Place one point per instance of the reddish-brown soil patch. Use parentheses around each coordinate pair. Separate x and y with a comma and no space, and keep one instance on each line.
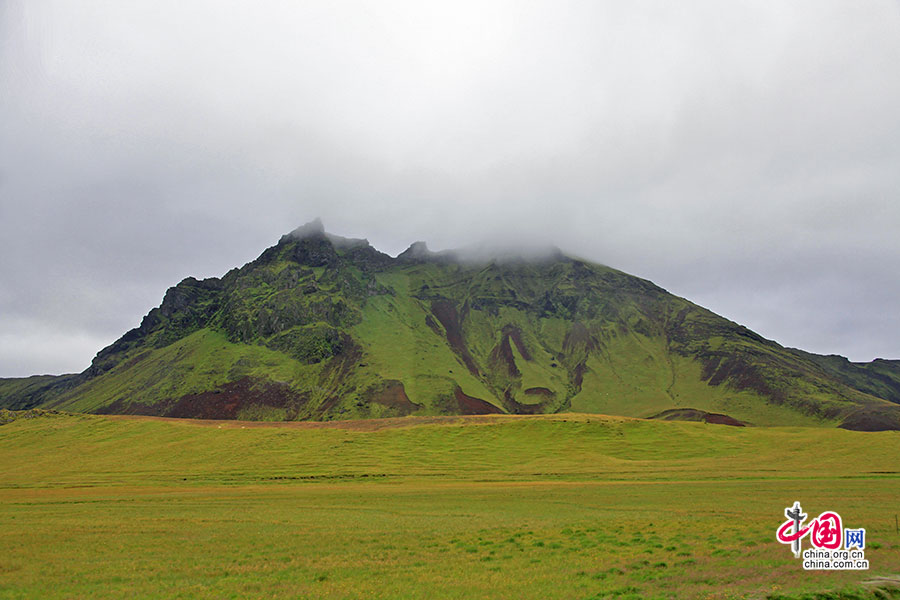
(693,414)
(680,414)
(717,419)
(433,325)
(515,334)
(224,402)
(393,395)
(738,374)
(578,375)
(469,405)
(227,401)
(539,391)
(447,314)
(502,358)
(886,419)
(517,408)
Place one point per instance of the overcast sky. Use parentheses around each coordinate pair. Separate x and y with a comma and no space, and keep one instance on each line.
(744,155)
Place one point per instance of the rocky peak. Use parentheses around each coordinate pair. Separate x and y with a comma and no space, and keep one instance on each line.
(312,230)
(418,251)
(343,243)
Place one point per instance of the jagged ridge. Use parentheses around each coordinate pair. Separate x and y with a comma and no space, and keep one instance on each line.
(320,326)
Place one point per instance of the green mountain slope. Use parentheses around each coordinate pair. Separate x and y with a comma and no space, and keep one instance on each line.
(323,327)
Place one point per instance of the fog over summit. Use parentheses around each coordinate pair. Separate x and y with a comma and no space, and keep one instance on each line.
(484,254)
(322,327)
(487,252)
(742,156)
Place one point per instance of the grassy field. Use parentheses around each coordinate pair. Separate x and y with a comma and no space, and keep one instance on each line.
(566,506)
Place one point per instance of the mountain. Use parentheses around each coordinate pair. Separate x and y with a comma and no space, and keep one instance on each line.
(325,327)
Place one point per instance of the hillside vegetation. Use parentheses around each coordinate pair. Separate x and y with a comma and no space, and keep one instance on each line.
(322,327)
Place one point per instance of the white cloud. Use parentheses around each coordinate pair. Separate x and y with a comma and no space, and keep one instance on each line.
(726,151)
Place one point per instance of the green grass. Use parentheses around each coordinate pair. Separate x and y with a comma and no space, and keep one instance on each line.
(566,506)
(199,362)
(641,380)
(12,386)
(400,346)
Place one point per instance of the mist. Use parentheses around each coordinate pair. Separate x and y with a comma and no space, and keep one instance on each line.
(743,156)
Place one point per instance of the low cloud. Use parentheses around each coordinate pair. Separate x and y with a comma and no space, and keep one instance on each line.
(741,156)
